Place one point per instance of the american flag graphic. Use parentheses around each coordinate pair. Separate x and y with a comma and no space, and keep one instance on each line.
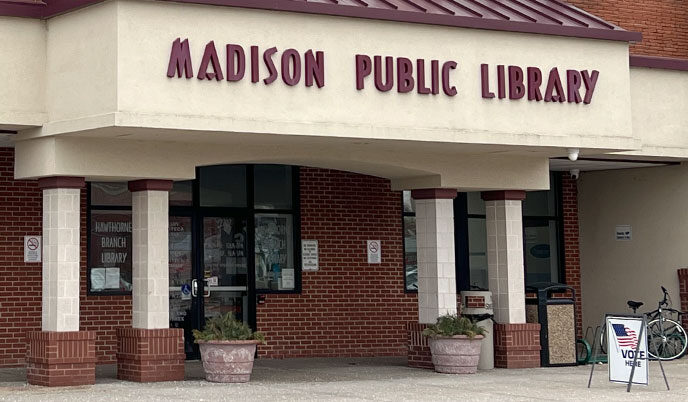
(625,336)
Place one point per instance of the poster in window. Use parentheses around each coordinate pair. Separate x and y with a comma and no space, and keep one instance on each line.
(110,251)
(274,252)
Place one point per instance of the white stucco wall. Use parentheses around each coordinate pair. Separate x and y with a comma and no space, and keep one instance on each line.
(653,202)
(82,62)
(659,100)
(22,72)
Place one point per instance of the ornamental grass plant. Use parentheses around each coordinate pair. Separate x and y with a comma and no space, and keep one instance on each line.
(226,327)
(451,325)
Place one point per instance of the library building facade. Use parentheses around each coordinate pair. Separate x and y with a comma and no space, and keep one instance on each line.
(336,174)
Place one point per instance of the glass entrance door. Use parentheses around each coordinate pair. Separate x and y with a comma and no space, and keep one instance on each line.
(225,267)
(212,281)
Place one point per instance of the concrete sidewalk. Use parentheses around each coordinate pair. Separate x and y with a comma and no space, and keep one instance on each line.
(379,379)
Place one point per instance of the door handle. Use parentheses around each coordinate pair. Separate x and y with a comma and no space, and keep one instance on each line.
(194,288)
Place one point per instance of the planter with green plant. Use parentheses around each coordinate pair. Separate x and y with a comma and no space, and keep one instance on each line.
(455,344)
(227,349)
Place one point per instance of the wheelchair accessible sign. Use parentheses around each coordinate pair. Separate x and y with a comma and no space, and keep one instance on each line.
(626,348)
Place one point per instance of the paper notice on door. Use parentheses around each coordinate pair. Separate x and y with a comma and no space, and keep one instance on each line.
(288,278)
(111,278)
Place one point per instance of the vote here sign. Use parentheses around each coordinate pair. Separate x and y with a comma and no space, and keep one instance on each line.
(623,337)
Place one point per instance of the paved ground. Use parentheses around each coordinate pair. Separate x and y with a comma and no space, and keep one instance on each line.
(385,379)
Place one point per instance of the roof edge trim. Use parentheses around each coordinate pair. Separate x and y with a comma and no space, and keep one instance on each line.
(666,63)
(55,8)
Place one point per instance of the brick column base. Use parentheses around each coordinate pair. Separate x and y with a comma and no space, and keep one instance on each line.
(683,293)
(57,359)
(150,355)
(517,345)
(419,355)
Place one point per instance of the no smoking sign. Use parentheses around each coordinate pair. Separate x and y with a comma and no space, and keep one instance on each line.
(374,252)
(32,249)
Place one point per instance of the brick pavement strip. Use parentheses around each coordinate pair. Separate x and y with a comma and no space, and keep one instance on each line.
(378,379)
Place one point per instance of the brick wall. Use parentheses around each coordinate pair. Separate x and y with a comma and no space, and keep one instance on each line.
(683,293)
(20,287)
(663,23)
(348,307)
(572,275)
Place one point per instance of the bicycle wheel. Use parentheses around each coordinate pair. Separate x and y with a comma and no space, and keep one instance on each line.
(666,339)
(603,340)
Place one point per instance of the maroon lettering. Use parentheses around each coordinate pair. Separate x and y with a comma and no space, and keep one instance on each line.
(573,83)
(485,81)
(291,67)
(363,68)
(315,68)
(389,73)
(210,58)
(420,70)
(235,56)
(501,87)
(534,82)
(180,59)
(516,87)
(590,82)
(448,89)
(435,72)
(554,83)
(267,58)
(405,79)
(254,65)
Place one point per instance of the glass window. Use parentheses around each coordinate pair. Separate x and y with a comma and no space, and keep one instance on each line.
(477,253)
(110,194)
(410,253)
(409,203)
(180,264)
(110,252)
(541,251)
(476,205)
(541,203)
(181,194)
(272,189)
(274,252)
(223,186)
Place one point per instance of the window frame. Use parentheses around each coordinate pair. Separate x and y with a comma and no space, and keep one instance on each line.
(197,212)
(404,215)
(89,209)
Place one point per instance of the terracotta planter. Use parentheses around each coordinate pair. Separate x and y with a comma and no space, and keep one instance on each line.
(227,361)
(458,354)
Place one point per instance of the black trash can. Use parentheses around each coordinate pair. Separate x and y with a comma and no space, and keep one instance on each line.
(557,319)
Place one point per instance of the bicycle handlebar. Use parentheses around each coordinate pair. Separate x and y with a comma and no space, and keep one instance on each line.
(664,300)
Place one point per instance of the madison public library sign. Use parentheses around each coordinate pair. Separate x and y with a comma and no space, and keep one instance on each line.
(426,77)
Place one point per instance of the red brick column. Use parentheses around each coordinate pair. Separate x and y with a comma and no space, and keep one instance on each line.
(517,345)
(683,293)
(56,359)
(150,355)
(571,245)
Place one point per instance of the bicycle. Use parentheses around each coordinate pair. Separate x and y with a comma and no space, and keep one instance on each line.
(666,338)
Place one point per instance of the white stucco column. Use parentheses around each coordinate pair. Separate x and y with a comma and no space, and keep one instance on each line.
(435,248)
(61,246)
(505,255)
(150,222)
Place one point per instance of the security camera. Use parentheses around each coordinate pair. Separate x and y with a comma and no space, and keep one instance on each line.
(575,173)
(573,154)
